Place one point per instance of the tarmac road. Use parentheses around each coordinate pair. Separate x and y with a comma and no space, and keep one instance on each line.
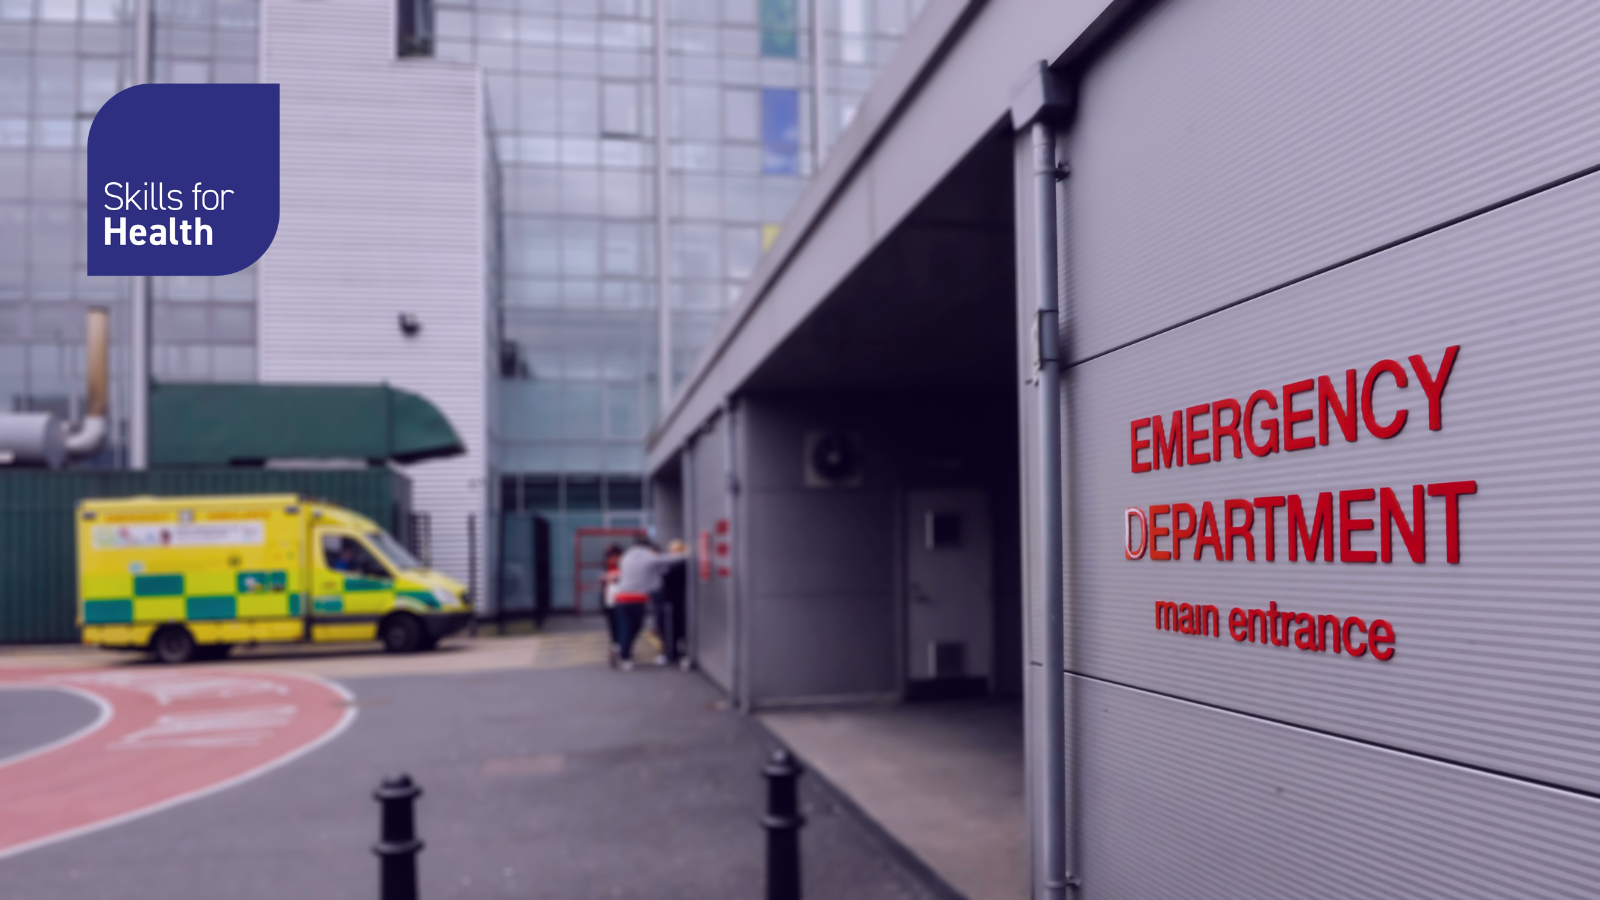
(567,783)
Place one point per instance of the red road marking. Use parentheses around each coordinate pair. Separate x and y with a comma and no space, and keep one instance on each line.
(164,736)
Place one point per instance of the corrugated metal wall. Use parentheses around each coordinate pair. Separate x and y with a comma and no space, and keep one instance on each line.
(383,213)
(713,613)
(38,553)
(1265,193)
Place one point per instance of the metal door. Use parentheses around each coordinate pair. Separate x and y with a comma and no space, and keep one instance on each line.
(351,588)
(949,587)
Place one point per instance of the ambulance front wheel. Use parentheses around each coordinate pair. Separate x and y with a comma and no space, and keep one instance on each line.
(402,633)
(173,645)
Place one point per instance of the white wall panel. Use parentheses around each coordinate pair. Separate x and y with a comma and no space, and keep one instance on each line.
(1226,146)
(1183,801)
(383,213)
(1495,658)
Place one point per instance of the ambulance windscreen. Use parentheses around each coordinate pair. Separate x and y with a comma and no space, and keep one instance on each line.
(394,550)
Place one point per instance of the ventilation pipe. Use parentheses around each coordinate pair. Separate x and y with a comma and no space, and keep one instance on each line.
(31,439)
(41,438)
(90,433)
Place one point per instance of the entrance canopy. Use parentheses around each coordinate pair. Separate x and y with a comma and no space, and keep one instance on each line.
(245,424)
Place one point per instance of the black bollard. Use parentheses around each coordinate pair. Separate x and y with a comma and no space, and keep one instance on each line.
(397,845)
(783,821)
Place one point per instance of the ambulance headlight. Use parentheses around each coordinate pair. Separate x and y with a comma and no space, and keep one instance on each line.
(444,597)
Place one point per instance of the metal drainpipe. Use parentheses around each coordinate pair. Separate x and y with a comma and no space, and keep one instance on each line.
(1040,102)
(139,303)
(741,694)
(692,591)
(1055,780)
(663,235)
(819,87)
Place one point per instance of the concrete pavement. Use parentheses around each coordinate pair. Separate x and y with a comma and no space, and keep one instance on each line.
(946,779)
(569,783)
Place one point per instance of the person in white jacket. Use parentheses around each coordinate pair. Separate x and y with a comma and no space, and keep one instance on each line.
(639,576)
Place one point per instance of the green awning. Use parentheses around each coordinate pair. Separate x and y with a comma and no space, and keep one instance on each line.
(245,424)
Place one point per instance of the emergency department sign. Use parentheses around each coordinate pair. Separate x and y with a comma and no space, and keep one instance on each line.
(183,179)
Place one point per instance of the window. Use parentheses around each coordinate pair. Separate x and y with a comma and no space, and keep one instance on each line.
(392,549)
(780,131)
(415,21)
(624,493)
(620,109)
(779,29)
(344,553)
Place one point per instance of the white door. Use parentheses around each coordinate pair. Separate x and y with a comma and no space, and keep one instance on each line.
(949,578)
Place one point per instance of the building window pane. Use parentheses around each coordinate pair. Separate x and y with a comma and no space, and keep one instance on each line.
(740,115)
(778,28)
(583,492)
(622,411)
(624,493)
(780,131)
(620,109)
(541,492)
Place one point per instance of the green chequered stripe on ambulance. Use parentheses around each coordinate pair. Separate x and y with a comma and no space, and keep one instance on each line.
(162,598)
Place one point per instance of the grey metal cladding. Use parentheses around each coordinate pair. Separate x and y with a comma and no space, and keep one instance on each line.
(1227,146)
(713,610)
(1202,804)
(1496,662)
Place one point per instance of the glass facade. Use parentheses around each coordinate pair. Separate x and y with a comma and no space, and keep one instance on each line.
(572,87)
(59,61)
(588,247)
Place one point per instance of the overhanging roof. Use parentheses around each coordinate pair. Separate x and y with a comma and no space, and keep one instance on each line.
(227,424)
(949,84)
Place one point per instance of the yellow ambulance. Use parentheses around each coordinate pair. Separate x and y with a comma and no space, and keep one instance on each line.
(189,577)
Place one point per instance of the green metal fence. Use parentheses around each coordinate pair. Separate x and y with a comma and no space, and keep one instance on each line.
(38,554)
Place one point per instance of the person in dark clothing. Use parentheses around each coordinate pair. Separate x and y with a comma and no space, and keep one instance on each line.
(638,579)
(669,603)
(608,587)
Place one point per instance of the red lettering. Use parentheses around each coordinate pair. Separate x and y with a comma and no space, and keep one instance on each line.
(1367,415)
(1322,633)
(1287,617)
(1164,450)
(1127,532)
(1237,626)
(1261,616)
(1195,434)
(1321,525)
(1305,637)
(1344,414)
(1179,532)
(1381,633)
(1185,619)
(1210,621)
(1434,387)
(1390,513)
(1156,531)
(1292,416)
(1133,438)
(1166,615)
(1348,523)
(1271,446)
(1219,430)
(1450,490)
(1208,532)
(1267,505)
(1233,531)
(1351,647)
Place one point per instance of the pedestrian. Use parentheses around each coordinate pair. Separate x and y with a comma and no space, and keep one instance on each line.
(639,576)
(669,604)
(608,597)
